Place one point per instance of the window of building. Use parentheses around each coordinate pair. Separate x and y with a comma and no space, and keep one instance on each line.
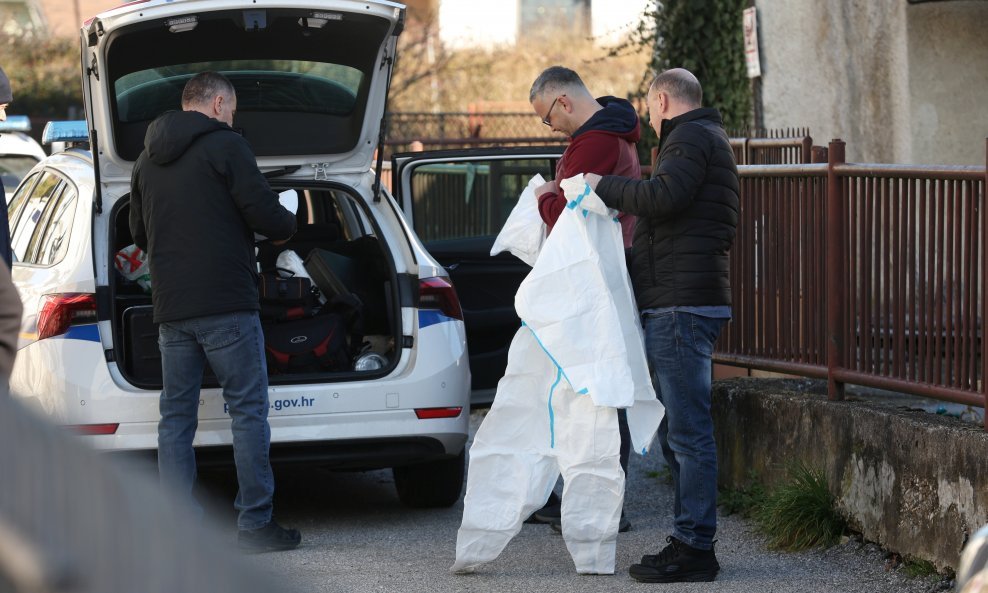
(540,15)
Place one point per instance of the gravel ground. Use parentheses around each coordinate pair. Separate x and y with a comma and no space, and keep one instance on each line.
(358,538)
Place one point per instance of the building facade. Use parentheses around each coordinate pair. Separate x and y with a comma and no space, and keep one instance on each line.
(482,23)
(900,82)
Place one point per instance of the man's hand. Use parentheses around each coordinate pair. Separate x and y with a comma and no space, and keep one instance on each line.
(592,180)
(547,187)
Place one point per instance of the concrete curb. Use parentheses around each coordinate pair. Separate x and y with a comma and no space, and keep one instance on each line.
(914,482)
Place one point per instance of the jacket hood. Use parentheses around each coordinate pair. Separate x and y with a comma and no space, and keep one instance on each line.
(173,132)
(617,117)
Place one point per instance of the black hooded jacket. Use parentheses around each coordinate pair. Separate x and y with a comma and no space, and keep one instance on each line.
(687,215)
(197,197)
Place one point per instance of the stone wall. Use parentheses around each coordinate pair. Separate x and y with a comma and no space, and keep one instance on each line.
(914,482)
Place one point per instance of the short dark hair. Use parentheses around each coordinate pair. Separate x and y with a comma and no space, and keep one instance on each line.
(202,87)
(681,85)
(554,77)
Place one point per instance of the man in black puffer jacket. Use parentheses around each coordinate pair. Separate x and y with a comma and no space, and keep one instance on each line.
(197,197)
(687,216)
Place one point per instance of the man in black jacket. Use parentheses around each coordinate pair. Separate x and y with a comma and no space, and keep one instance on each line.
(687,216)
(196,199)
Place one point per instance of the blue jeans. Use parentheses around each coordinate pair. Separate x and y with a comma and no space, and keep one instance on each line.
(679,346)
(234,346)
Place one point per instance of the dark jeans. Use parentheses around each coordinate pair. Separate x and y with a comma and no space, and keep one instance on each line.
(679,347)
(234,346)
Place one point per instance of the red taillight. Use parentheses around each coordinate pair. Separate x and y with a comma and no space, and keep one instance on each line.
(59,311)
(91,429)
(426,413)
(438,293)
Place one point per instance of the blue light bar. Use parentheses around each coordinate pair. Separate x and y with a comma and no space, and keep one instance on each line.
(16,123)
(65,131)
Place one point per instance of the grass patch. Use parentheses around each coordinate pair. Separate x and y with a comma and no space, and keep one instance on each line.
(742,501)
(664,475)
(800,514)
(917,568)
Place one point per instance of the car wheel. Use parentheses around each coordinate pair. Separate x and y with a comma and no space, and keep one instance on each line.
(433,484)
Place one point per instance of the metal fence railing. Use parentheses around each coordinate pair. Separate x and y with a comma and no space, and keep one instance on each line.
(409,131)
(866,274)
(466,130)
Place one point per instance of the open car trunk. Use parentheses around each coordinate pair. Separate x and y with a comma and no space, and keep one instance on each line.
(352,317)
(311,78)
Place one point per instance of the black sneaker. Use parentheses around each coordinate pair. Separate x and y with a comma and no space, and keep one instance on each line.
(676,563)
(270,538)
(550,512)
(624,525)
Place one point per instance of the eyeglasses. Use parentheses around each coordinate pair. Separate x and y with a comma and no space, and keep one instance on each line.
(545,119)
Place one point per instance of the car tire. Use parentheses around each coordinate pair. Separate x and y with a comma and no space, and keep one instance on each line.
(432,484)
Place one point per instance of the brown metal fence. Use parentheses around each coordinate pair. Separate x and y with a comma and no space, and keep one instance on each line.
(435,131)
(772,151)
(409,131)
(872,275)
(866,274)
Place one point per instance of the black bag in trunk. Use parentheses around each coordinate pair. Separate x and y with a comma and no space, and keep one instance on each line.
(287,288)
(307,345)
(285,296)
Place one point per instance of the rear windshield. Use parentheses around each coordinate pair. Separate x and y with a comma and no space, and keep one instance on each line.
(261,85)
(302,82)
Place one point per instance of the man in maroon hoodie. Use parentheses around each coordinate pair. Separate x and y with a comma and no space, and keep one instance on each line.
(602,135)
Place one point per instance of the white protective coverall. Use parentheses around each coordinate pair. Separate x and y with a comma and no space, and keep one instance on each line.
(578,356)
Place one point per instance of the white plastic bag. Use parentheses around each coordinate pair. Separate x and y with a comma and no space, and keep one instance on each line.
(579,356)
(289,201)
(579,303)
(132,264)
(536,429)
(523,232)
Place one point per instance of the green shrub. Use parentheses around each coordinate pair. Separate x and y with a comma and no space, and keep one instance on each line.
(917,568)
(801,513)
(705,37)
(44,75)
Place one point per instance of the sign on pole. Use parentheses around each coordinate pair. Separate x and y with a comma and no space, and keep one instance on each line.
(751,43)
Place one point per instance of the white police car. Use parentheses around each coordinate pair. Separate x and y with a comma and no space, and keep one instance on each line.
(311,80)
(18,152)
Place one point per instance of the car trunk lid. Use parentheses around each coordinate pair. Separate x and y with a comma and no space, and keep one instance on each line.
(311,77)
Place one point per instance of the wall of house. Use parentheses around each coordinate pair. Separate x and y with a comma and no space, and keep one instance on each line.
(897,81)
(817,72)
(482,23)
(948,82)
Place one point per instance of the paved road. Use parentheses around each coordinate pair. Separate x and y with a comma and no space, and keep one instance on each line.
(358,538)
